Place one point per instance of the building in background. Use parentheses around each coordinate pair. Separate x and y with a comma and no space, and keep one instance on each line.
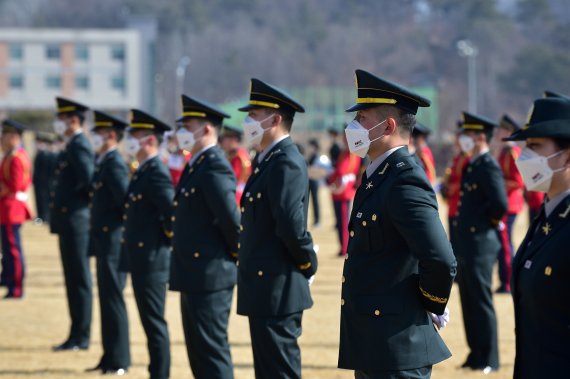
(105,68)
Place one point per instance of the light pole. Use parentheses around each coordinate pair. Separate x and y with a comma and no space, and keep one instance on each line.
(468,50)
(183,63)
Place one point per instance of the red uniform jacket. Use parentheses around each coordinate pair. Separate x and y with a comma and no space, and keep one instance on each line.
(15,179)
(343,179)
(176,164)
(513,180)
(452,182)
(241,164)
(426,156)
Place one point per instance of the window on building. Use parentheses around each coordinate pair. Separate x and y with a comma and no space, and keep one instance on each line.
(53,52)
(16,81)
(16,51)
(118,52)
(118,82)
(82,82)
(81,52)
(53,82)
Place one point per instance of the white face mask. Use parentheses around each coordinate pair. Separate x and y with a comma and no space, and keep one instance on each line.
(252,130)
(97,141)
(358,138)
(59,127)
(133,145)
(535,171)
(186,139)
(466,143)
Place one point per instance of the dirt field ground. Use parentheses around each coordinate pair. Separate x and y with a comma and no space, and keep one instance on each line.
(28,328)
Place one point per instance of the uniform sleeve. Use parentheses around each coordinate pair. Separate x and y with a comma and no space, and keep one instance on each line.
(287,190)
(495,193)
(413,211)
(119,182)
(162,195)
(82,162)
(220,196)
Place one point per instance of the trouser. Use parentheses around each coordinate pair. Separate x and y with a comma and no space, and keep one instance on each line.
(506,253)
(314,191)
(276,353)
(341,208)
(417,373)
(205,321)
(73,241)
(150,296)
(114,318)
(13,265)
(474,280)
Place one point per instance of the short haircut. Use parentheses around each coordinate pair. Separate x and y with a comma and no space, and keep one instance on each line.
(287,117)
(406,120)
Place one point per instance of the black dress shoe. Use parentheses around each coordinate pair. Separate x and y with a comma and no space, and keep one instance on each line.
(485,370)
(115,371)
(71,346)
(96,368)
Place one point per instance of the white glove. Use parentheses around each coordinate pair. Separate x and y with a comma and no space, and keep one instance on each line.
(440,321)
(312,278)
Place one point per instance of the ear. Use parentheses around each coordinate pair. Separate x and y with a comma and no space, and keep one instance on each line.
(277,119)
(391,125)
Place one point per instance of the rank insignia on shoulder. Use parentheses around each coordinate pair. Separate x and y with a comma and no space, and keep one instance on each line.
(359,215)
(400,164)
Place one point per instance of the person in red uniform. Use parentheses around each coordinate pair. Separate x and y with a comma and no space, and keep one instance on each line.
(238,156)
(175,158)
(342,183)
(451,184)
(508,154)
(419,136)
(15,179)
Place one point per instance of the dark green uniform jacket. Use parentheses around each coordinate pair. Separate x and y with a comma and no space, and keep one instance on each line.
(540,284)
(276,254)
(205,226)
(148,212)
(73,174)
(399,265)
(110,183)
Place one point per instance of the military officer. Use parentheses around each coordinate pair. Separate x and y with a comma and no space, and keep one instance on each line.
(541,267)
(44,165)
(399,269)
(276,252)
(107,194)
(147,234)
(482,205)
(70,218)
(15,179)
(514,186)
(205,241)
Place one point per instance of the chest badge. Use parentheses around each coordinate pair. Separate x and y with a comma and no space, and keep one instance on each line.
(527,264)
(400,164)
(359,215)
(369,185)
(546,229)
(548,271)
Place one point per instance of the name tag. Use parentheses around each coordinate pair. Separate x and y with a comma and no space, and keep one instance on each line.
(527,264)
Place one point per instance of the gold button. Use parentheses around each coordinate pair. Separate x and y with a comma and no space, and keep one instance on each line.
(374,217)
(186,194)
(192,190)
(472,229)
(548,271)
(127,205)
(196,254)
(475,186)
(105,229)
(141,244)
(241,228)
(363,223)
(239,244)
(139,196)
(251,199)
(341,301)
(175,203)
(343,279)
(242,209)
(173,218)
(124,217)
(377,312)
(260,273)
(352,233)
(259,195)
